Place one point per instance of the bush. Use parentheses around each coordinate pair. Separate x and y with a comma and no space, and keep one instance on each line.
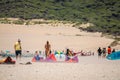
(21,22)
(5,21)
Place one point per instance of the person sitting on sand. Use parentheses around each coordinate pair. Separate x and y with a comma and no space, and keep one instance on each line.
(113,50)
(104,52)
(18,49)
(68,52)
(47,49)
(36,56)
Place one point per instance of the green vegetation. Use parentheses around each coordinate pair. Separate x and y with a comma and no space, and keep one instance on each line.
(21,22)
(104,14)
(5,21)
(115,43)
(40,22)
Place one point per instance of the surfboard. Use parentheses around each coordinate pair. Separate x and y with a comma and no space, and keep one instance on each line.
(114,56)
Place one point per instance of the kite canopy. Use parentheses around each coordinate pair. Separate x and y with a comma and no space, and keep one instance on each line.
(7,60)
(58,52)
(114,56)
(71,59)
(57,58)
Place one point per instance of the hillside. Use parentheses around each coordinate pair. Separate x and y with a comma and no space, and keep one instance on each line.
(104,14)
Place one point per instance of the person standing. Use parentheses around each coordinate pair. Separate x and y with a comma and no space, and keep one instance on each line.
(47,48)
(18,49)
(104,52)
(109,50)
(99,51)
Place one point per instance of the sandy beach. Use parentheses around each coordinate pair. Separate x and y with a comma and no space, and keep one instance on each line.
(34,37)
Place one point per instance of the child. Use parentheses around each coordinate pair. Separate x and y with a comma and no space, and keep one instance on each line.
(37,57)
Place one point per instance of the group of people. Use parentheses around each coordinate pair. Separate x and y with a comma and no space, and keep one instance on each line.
(18,49)
(103,51)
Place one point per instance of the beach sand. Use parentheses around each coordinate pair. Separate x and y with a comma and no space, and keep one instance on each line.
(88,68)
(34,37)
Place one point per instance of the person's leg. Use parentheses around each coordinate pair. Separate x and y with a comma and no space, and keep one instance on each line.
(20,53)
(45,53)
(48,52)
(99,55)
(16,53)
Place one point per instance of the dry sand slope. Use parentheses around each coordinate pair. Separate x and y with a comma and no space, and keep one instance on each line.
(34,37)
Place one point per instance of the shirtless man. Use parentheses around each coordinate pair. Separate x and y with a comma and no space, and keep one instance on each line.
(47,49)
